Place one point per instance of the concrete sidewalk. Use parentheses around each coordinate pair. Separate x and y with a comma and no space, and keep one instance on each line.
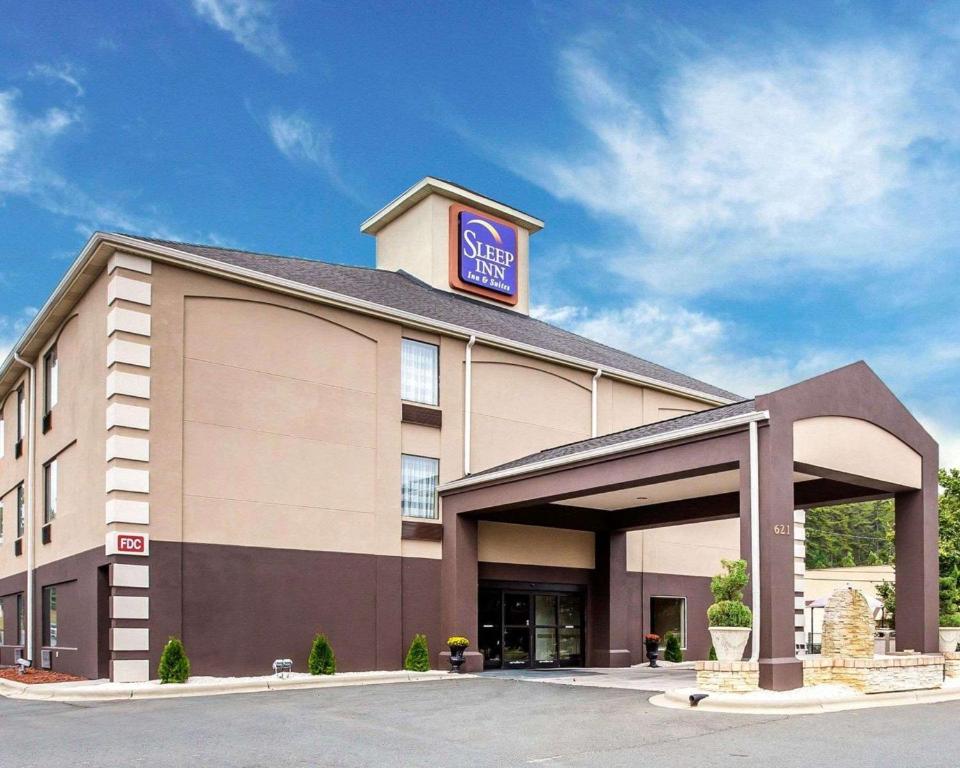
(638,678)
(104,690)
(810,700)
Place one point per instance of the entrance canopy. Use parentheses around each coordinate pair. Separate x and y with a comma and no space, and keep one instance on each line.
(838,437)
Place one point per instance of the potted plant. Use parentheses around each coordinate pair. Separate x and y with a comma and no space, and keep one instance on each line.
(652,643)
(457,646)
(949,615)
(729,619)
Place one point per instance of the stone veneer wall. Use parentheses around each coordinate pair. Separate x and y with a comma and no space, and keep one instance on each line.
(883,674)
(848,626)
(951,665)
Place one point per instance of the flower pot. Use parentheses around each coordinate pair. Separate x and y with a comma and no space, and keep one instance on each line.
(456,657)
(729,642)
(949,638)
(653,651)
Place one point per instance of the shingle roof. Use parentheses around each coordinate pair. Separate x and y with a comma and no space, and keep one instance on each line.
(697,419)
(402,291)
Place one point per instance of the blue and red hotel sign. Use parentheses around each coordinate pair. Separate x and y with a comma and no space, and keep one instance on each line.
(483,254)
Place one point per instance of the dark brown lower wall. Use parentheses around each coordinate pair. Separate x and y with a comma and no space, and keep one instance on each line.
(76,578)
(243,607)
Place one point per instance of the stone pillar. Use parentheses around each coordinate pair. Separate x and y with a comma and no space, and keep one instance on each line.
(609,609)
(916,528)
(459,586)
(780,669)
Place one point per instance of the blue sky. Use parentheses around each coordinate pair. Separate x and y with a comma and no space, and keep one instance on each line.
(752,193)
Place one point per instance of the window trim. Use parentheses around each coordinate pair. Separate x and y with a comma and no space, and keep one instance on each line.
(21,511)
(21,412)
(436,493)
(436,348)
(21,620)
(49,638)
(3,625)
(51,481)
(51,384)
(683,617)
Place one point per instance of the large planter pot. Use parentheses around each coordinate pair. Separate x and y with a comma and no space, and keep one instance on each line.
(456,657)
(729,642)
(949,637)
(653,651)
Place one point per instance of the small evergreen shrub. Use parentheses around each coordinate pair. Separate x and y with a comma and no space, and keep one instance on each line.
(418,657)
(321,660)
(729,585)
(950,620)
(174,665)
(712,656)
(673,651)
(729,613)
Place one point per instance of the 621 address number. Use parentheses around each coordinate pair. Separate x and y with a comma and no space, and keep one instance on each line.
(781,530)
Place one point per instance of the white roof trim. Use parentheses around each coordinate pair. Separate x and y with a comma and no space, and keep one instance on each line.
(431,185)
(607,450)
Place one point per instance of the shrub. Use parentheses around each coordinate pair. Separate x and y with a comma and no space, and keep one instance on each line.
(887,593)
(712,656)
(729,585)
(950,620)
(418,657)
(729,613)
(949,596)
(673,651)
(174,665)
(321,661)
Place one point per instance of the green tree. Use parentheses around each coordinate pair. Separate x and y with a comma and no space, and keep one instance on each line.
(950,523)
(673,651)
(847,535)
(418,657)
(174,665)
(321,660)
(887,593)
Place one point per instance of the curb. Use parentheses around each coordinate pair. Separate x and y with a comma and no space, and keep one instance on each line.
(115,692)
(678,698)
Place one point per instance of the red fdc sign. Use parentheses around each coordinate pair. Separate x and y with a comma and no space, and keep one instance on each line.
(130,543)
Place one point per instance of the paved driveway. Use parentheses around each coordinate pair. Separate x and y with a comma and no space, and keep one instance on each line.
(479,722)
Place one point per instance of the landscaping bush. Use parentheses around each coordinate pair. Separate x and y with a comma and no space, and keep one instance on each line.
(321,661)
(418,657)
(673,651)
(950,620)
(712,656)
(728,609)
(729,613)
(174,665)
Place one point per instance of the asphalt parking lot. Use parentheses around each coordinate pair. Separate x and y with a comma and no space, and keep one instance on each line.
(471,722)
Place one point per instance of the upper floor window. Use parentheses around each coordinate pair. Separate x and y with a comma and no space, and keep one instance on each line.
(21,413)
(50,491)
(51,379)
(3,434)
(21,516)
(419,372)
(418,486)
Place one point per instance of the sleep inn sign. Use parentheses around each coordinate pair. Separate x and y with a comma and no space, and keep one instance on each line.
(483,254)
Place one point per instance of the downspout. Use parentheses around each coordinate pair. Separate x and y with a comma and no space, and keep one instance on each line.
(755,539)
(29,511)
(467,404)
(593,402)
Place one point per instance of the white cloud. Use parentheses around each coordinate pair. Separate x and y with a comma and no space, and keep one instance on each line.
(12,327)
(747,170)
(252,24)
(25,171)
(300,140)
(64,73)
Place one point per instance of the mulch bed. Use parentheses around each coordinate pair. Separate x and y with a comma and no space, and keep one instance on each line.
(37,676)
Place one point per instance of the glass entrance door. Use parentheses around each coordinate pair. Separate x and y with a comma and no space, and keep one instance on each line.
(530,629)
(516,630)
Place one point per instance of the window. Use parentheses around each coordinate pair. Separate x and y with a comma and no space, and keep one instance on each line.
(21,621)
(1,526)
(50,487)
(419,372)
(3,434)
(418,492)
(669,614)
(51,379)
(21,413)
(21,517)
(2,637)
(50,625)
